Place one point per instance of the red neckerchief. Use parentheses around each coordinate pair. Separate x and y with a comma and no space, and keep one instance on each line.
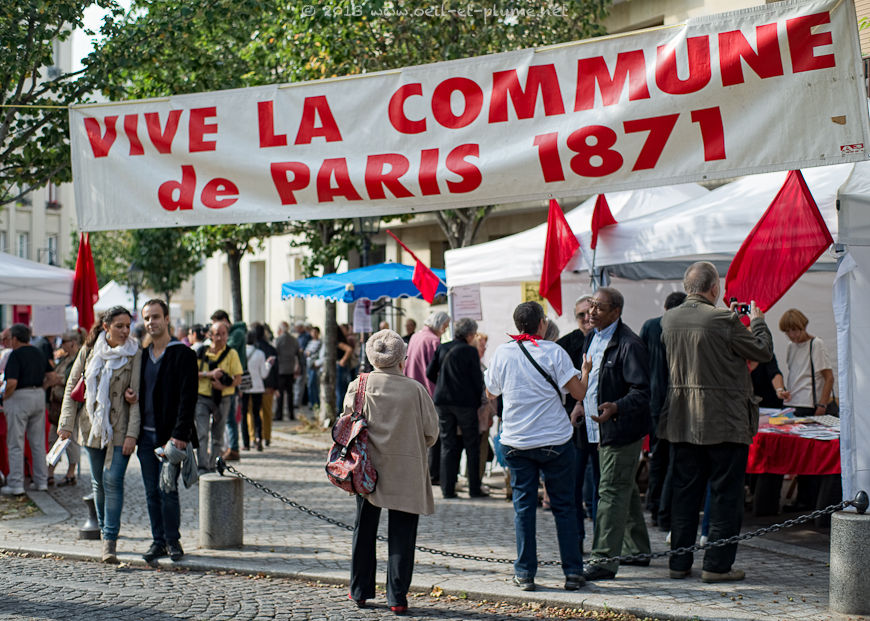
(533,339)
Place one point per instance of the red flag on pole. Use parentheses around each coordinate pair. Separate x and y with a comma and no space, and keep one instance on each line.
(85,289)
(785,242)
(601,217)
(561,246)
(424,279)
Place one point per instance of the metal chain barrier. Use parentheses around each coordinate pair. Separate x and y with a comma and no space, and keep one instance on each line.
(860,502)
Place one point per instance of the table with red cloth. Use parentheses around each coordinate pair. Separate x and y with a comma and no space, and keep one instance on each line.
(773,454)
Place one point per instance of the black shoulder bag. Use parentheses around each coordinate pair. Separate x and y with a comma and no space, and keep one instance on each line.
(542,372)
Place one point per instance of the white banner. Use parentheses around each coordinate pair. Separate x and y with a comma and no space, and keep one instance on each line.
(773,87)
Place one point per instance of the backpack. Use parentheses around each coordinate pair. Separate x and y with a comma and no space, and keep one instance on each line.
(348,465)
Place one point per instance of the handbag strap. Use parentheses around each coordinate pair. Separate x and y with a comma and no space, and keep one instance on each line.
(542,372)
(813,373)
(359,399)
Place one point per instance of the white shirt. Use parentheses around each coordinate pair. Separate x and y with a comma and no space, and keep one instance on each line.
(590,401)
(258,368)
(533,413)
(797,356)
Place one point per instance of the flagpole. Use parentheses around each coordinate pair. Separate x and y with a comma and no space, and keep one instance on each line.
(413,256)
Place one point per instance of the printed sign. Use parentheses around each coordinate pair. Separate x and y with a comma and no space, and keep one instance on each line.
(773,87)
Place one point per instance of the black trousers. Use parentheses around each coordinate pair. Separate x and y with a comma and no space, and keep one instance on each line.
(451,418)
(435,462)
(256,400)
(285,387)
(724,467)
(658,470)
(401,538)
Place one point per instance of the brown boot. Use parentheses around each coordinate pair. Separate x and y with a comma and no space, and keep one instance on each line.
(109,551)
(231,455)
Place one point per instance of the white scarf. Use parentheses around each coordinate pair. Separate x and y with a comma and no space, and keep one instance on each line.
(98,374)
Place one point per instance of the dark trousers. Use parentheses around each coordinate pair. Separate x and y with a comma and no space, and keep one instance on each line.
(435,462)
(587,455)
(666,500)
(723,466)
(451,418)
(658,470)
(164,509)
(256,400)
(401,538)
(285,387)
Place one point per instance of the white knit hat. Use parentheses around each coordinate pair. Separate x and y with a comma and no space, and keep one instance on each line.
(385,349)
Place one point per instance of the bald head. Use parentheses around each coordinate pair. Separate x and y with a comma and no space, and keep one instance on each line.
(701,279)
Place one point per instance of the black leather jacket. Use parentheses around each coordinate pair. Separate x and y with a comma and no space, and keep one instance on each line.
(624,380)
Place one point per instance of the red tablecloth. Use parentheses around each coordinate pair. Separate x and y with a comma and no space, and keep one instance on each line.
(776,453)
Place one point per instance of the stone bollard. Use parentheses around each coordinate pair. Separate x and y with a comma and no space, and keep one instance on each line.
(221,512)
(850,563)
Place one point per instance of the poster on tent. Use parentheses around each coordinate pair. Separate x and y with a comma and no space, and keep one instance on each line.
(465,302)
(772,87)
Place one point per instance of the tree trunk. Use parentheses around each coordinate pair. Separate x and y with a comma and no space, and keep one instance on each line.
(460,226)
(234,262)
(328,413)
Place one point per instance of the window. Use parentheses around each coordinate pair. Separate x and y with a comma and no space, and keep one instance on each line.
(51,250)
(4,244)
(24,245)
(52,202)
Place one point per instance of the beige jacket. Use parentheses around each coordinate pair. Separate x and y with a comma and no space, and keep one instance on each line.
(402,425)
(123,416)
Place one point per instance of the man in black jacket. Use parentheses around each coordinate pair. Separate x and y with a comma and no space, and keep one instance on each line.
(167,402)
(455,371)
(619,393)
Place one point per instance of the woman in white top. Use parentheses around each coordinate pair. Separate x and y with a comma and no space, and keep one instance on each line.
(259,368)
(809,394)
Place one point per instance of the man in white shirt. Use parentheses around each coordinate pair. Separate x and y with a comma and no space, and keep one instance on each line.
(537,439)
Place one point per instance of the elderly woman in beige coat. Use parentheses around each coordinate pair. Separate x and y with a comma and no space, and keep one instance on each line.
(107,423)
(402,425)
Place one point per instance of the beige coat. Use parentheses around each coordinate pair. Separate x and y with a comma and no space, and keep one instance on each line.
(123,416)
(402,425)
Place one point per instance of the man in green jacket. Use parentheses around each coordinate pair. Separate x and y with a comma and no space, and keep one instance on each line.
(710,416)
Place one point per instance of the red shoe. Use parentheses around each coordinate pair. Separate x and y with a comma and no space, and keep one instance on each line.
(360,603)
(399,610)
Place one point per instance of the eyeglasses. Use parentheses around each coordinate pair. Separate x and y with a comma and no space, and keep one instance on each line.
(599,305)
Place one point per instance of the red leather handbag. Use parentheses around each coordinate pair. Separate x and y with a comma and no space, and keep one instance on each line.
(78,392)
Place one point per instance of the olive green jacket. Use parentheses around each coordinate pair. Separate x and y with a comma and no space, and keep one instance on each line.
(710,398)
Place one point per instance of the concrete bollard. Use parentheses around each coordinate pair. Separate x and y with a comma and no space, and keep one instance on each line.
(221,512)
(850,563)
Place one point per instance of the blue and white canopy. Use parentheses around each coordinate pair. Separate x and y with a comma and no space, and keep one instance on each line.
(390,280)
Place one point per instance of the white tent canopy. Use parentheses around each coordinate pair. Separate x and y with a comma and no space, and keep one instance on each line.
(28,282)
(520,257)
(113,294)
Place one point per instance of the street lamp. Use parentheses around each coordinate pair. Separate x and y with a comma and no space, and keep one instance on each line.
(366,227)
(135,278)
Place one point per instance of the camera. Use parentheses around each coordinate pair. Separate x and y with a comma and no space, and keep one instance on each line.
(226,379)
(740,309)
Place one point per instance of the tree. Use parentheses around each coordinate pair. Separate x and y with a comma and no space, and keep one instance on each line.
(234,240)
(111,252)
(34,93)
(165,259)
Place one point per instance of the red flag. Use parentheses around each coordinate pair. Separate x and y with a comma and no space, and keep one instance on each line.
(424,278)
(561,246)
(601,217)
(785,242)
(85,289)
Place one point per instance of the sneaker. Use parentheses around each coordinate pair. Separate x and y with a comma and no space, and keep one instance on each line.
(34,487)
(526,584)
(175,551)
(399,610)
(704,539)
(728,576)
(360,603)
(679,574)
(574,582)
(8,490)
(156,551)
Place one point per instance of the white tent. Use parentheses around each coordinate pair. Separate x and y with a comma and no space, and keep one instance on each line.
(113,294)
(29,282)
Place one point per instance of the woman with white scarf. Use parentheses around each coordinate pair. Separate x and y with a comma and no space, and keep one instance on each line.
(108,424)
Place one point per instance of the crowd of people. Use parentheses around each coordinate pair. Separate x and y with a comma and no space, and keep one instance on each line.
(572,416)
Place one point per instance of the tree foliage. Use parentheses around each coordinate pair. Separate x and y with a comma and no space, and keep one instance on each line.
(111,253)
(34,92)
(165,258)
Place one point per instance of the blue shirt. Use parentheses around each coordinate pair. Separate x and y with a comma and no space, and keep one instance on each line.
(590,402)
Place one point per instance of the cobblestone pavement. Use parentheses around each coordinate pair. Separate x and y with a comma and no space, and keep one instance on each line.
(784,580)
(48,588)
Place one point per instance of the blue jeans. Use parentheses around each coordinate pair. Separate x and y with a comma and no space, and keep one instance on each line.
(108,488)
(313,387)
(232,425)
(164,510)
(556,463)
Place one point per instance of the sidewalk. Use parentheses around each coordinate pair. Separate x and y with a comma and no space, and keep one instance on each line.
(787,577)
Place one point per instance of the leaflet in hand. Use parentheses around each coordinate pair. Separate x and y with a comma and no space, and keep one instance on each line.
(56,451)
